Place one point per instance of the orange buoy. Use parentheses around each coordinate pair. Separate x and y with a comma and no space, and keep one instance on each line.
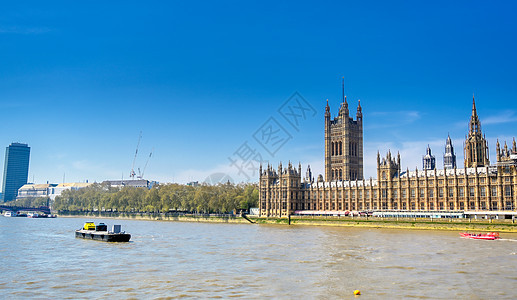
(357,292)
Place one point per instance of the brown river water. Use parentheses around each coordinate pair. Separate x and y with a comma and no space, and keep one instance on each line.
(41,258)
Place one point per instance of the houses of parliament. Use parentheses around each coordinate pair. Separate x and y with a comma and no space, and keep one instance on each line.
(478,186)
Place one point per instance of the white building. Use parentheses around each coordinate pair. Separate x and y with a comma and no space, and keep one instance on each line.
(131,183)
(49,190)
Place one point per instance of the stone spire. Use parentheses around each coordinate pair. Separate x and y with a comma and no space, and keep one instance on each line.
(343,87)
(359,114)
(429,161)
(476,148)
(398,162)
(474,113)
(344,108)
(475,125)
(498,151)
(449,158)
(308,175)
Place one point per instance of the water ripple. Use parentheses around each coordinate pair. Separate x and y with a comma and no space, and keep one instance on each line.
(168,260)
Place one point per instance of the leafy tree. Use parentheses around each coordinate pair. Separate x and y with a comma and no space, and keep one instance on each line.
(221,198)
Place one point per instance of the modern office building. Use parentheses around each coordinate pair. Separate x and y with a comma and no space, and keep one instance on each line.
(16,170)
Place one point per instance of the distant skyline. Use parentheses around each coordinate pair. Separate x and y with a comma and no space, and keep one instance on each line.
(16,168)
(205,81)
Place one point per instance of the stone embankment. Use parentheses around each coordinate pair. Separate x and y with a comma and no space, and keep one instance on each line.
(209,218)
(370,222)
(400,223)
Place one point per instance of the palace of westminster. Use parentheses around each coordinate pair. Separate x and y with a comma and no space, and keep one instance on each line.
(478,186)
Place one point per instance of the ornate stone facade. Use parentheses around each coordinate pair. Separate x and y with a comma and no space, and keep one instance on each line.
(428,161)
(478,186)
(449,158)
(476,146)
(343,144)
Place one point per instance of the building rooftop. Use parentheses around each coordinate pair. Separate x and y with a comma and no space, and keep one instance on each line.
(74,184)
(492,170)
(31,186)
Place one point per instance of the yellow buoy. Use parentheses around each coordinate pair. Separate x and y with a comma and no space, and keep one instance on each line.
(357,292)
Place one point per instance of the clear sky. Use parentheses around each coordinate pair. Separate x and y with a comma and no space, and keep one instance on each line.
(206,81)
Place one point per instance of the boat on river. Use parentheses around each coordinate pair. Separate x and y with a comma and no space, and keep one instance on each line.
(39,216)
(100,232)
(481,236)
(14,214)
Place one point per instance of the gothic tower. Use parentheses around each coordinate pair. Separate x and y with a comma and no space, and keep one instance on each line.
(476,146)
(344,144)
(449,158)
(428,161)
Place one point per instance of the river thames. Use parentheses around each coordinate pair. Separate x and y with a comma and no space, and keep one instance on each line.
(41,258)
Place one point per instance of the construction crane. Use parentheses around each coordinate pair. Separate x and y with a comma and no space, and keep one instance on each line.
(141,175)
(132,174)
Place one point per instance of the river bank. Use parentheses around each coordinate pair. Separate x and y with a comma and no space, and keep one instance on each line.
(392,223)
(158,217)
(400,223)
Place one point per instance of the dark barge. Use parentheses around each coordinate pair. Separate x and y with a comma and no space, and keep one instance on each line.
(101,233)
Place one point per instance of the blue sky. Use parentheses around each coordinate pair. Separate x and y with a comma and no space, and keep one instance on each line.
(80,80)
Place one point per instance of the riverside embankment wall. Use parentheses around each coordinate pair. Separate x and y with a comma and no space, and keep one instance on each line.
(371,222)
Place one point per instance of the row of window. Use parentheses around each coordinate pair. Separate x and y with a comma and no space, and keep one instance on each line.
(507,190)
(507,205)
(336,148)
(430,182)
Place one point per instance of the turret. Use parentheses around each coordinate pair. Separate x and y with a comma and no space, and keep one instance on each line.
(475,125)
(449,158)
(359,114)
(398,162)
(428,160)
(388,168)
(498,151)
(308,175)
(344,109)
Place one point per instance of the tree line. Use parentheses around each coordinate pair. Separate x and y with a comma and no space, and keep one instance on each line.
(221,198)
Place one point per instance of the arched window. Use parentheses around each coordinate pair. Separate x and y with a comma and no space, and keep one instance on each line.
(340,148)
(332,148)
(340,174)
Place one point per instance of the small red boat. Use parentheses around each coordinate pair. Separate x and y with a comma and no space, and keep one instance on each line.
(481,236)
